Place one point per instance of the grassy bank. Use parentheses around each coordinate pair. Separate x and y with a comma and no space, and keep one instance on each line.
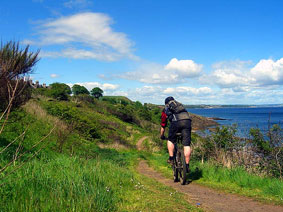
(235,180)
(64,183)
(72,173)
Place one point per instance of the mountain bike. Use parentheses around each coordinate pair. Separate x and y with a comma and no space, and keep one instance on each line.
(179,163)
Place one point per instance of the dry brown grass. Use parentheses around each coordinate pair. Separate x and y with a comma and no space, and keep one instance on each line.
(62,130)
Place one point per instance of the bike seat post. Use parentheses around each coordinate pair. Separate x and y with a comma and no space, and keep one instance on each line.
(178,134)
(179,137)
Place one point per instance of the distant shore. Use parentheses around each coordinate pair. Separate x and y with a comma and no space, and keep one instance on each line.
(231,106)
(202,123)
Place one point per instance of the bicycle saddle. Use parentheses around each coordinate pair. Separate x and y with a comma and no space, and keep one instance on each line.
(178,134)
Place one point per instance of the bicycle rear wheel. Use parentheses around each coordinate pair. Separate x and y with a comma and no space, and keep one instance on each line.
(183,170)
(175,172)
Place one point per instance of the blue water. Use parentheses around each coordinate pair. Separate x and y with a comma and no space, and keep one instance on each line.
(245,118)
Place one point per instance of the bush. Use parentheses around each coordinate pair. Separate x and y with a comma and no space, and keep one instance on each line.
(258,141)
(84,98)
(15,64)
(58,91)
(78,89)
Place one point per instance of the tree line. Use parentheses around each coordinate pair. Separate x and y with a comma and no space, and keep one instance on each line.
(62,91)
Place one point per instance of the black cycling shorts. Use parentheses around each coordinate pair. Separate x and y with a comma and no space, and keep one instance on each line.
(182,126)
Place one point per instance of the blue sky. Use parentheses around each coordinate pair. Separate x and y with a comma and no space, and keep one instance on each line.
(199,51)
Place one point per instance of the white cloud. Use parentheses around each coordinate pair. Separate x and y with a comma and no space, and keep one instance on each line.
(230,78)
(228,74)
(253,96)
(185,68)
(176,71)
(152,73)
(54,75)
(117,93)
(268,72)
(84,36)
(80,54)
(91,85)
(240,76)
(157,94)
(107,86)
(149,94)
(188,91)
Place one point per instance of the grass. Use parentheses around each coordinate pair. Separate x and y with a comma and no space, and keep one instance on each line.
(81,177)
(64,184)
(235,180)
(153,196)
(73,174)
(106,182)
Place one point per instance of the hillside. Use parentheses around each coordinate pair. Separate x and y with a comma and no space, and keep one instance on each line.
(82,154)
(54,160)
(47,135)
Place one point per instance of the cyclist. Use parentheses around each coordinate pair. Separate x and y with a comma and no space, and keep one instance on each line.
(179,122)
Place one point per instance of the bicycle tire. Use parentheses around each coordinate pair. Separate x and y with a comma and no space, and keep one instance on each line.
(175,172)
(183,170)
(175,165)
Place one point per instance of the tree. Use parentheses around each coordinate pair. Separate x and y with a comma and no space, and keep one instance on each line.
(15,64)
(78,89)
(138,104)
(59,91)
(96,92)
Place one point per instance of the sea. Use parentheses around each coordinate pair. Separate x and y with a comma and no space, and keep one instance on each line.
(244,117)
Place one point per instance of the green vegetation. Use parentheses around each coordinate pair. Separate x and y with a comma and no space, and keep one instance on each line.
(234,180)
(78,89)
(77,153)
(71,172)
(57,90)
(259,154)
(96,92)
(15,63)
(223,161)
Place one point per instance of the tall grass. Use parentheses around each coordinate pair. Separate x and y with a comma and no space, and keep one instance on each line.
(66,184)
(235,180)
(241,181)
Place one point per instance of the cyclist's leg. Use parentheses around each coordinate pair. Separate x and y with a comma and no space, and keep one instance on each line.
(171,139)
(186,135)
(170,147)
(187,153)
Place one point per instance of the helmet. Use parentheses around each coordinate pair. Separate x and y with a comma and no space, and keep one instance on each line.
(168,99)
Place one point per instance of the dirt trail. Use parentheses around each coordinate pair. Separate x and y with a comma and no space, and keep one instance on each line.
(140,141)
(208,199)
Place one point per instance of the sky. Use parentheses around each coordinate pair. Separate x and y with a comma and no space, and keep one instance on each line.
(198,51)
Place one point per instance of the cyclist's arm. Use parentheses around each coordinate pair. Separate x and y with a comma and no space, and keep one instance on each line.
(163,124)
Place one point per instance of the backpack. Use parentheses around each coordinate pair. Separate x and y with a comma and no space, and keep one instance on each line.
(176,107)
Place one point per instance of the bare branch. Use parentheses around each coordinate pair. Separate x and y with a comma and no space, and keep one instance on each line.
(7,111)
(13,141)
(7,165)
(24,162)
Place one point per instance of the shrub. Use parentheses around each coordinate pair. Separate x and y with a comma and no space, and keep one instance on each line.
(258,141)
(15,64)
(58,91)
(84,98)
(78,89)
